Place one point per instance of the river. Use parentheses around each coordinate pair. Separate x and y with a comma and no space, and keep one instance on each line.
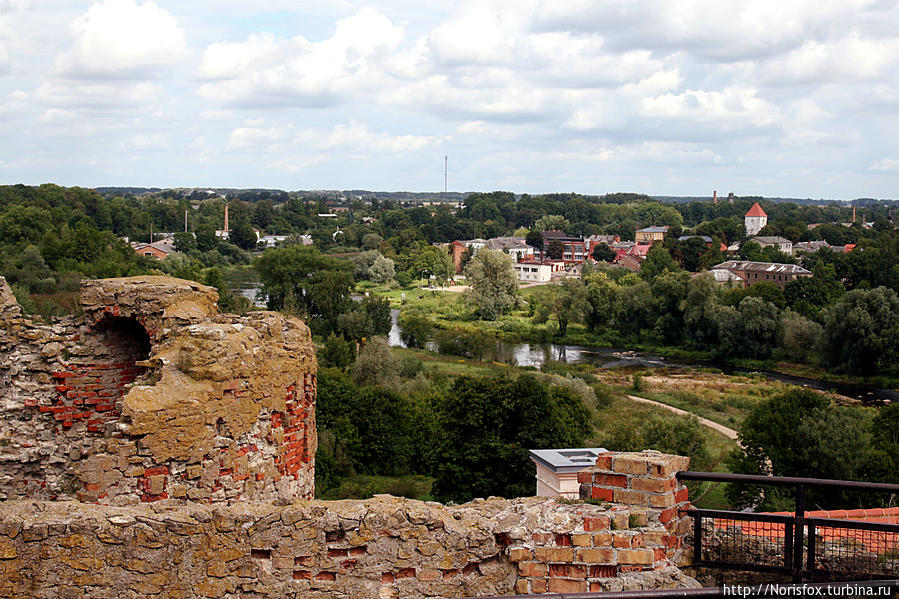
(538,354)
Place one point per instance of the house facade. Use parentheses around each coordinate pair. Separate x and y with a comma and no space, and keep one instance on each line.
(650,235)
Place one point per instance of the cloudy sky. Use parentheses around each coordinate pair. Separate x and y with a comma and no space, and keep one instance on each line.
(674,97)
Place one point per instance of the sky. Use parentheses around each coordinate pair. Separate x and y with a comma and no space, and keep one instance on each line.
(795,98)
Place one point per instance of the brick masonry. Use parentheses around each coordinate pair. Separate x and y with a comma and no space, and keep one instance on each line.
(153,394)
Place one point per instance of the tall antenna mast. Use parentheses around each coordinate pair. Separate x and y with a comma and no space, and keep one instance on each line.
(185,221)
(445,159)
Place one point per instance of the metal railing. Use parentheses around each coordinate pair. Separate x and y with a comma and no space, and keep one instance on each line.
(805,548)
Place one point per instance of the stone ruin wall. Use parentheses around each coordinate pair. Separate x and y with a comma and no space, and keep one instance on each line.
(154,394)
(384,548)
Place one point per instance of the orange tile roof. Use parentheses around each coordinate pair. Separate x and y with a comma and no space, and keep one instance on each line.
(756,210)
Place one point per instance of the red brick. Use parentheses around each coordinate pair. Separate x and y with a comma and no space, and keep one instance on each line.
(653,485)
(558,570)
(447,574)
(581,540)
(603,494)
(520,554)
(603,539)
(405,573)
(326,576)
(561,585)
(610,480)
(532,569)
(563,540)
(659,554)
(681,495)
(553,554)
(577,571)
(628,497)
(667,515)
(386,577)
(583,477)
(337,552)
(604,461)
(538,586)
(596,523)
(603,572)
(596,556)
(302,575)
(626,464)
(622,541)
(635,556)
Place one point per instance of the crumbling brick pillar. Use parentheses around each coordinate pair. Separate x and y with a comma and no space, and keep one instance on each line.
(640,529)
(646,479)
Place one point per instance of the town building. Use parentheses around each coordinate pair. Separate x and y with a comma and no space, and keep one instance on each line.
(651,234)
(757,272)
(514,246)
(539,271)
(782,244)
(574,248)
(755,220)
(158,249)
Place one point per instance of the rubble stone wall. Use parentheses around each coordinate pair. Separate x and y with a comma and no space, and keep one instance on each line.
(381,548)
(153,394)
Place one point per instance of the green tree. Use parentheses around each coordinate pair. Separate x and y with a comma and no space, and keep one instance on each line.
(376,364)
(862,331)
(602,294)
(206,239)
(603,253)
(657,261)
(534,239)
(243,236)
(372,241)
(318,285)
(337,352)
(493,283)
(552,222)
(185,242)
(432,261)
(382,270)
(415,330)
(555,249)
(500,419)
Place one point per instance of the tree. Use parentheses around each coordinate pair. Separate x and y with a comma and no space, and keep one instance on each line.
(372,241)
(602,295)
(415,330)
(382,270)
(801,338)
(657,261)
(798,433)
(603,253)
(185,242)
(500,419)
(243,236)
(299,277)
(862,331)
(534,239)
(567,303)
(555,250)
(493,283)
(206,239)
(432,261)
(376,364)
(337,352)
(552,222)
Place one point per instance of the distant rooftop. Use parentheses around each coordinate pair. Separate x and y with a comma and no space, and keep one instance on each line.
(567,460)
(771,267)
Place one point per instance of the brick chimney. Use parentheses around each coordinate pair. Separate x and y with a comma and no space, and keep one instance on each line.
(226,218)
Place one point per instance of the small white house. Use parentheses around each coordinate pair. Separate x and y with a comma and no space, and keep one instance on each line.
(557,470)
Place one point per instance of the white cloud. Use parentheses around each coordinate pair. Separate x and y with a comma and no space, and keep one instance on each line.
(122,39)
(732,107)
(886,165)
(256,138)
(97,96)
(357,138)
(264,71)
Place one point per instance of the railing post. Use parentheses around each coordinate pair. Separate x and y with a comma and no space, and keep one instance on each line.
(798,530)
(788,545)
(697,539)
(810,568)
